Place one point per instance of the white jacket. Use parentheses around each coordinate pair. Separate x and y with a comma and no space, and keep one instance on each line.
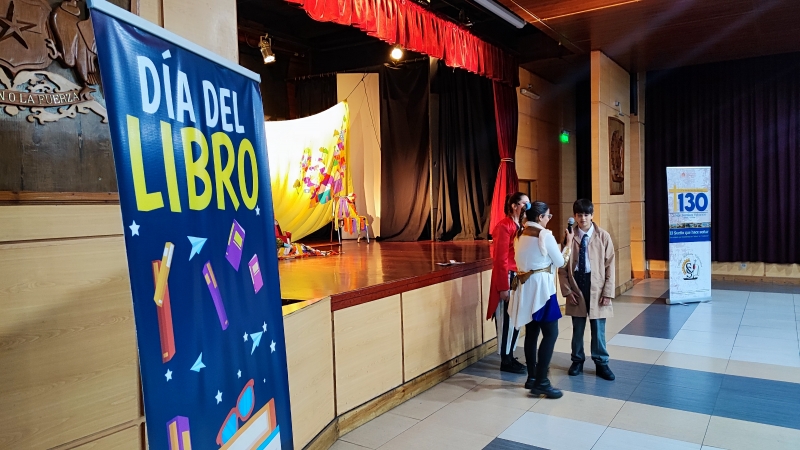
(537,290)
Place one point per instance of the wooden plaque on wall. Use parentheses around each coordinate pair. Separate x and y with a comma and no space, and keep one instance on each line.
(616,155)
(53,120)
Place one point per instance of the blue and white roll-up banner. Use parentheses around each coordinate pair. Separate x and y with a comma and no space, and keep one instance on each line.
(187,130)
(689,200)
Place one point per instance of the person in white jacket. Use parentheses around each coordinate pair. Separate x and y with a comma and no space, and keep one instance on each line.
(534,303)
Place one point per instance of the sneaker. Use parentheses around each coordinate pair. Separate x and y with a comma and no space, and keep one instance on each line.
(575,368)
(511,365)
(604,372)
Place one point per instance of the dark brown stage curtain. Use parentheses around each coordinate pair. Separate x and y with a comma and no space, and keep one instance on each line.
(315,95)
(405,177)
(469,157)
(742,118)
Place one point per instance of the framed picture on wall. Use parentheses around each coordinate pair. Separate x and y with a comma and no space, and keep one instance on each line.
(616,155)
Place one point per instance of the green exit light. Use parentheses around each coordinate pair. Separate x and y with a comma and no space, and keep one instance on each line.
(564,137)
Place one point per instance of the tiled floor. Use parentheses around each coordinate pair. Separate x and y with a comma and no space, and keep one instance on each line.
(718,375)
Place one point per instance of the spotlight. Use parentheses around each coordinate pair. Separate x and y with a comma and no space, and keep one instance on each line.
(397,53)
(266,49)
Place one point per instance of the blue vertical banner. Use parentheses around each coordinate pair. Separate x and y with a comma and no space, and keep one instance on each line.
(188,138)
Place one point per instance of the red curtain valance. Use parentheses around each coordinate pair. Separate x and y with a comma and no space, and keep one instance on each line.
(415,28)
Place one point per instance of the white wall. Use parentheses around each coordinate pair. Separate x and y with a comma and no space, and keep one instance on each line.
(365,145)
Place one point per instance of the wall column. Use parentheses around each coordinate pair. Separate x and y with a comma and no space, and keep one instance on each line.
(208,23)
(638,263)
(610,94)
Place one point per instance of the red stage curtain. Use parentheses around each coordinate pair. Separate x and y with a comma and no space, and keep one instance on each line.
(417,29)
(506,116)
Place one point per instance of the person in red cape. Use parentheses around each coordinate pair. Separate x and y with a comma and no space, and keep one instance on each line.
(504,267)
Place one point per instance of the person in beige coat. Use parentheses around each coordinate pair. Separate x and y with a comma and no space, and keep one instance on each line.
(588,284)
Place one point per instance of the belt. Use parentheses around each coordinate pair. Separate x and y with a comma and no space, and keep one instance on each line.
(522,277)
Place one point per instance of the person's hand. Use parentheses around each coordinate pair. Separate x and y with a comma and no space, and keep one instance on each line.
(504,295)
(573,299)
(605,301)
(568,235)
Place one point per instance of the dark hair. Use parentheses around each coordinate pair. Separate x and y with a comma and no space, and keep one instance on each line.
(583,206)
(511,199)
(537,209)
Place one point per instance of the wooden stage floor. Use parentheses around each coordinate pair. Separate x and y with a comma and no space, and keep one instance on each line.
(378,267)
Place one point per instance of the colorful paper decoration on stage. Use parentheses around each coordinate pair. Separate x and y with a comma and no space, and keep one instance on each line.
(308,165)
(290,250)
(190,155)
(347,217)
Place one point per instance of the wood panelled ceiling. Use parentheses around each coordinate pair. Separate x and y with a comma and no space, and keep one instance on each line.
(645,35)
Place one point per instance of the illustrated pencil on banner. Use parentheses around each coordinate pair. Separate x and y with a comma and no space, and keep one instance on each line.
(163,274)
(165,331)
(216,296)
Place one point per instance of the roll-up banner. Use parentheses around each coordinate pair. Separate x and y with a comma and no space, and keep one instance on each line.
(689,200)
(187,130)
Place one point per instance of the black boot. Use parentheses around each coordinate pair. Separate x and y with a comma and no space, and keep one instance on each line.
(511,365)
(530,383)
(543,388)
(575,368)
(604,372)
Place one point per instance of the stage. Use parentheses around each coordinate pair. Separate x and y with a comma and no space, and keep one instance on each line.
(363,272)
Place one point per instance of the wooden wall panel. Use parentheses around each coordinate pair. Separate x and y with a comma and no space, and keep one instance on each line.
(67,342)
(489,329)
(526,161)
(309,354)
(440,322)
(782,270)
(527,133)
(751,269)
(208,23)
(127,439)
(623,265)
(369,351)
(29,222)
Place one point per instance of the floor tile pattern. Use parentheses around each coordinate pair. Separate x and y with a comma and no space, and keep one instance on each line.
(709,376)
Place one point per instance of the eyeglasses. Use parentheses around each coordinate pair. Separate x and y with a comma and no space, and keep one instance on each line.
(242,410)
(549,216)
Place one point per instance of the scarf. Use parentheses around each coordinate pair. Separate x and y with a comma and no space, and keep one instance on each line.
(542,233)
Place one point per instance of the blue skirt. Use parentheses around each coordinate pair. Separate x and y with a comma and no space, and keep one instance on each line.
(549,312)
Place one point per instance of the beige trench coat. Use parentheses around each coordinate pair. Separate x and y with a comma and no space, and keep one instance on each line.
(601,261)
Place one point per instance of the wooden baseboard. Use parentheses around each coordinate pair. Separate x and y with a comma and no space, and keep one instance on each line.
(326,438)
(101,434)
(658,274)
(664,274)
(639,274)
(362,414)
(57,198)
(756,279)
(621,289)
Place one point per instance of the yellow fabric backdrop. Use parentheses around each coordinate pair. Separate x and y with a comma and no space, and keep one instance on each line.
(308,167)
